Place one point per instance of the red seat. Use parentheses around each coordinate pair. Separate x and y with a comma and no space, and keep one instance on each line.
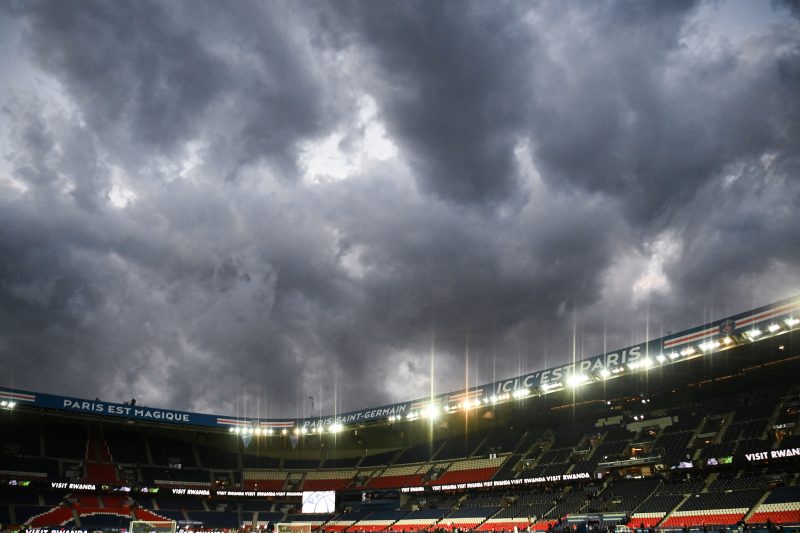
(776,517)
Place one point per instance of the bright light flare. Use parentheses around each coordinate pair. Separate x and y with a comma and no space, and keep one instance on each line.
(710,346)
(430,411)
(576,380)
(753,333)
(550,386)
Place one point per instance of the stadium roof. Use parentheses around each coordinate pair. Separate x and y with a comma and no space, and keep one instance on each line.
(713,339)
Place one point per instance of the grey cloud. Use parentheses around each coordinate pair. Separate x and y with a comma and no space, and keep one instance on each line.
(649,121)
(129,63)
(235,286)
(160,76)
(456,80)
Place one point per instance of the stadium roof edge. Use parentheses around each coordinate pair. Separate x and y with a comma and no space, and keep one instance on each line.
(749,326)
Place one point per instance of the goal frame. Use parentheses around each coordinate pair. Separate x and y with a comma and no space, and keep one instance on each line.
(161,526)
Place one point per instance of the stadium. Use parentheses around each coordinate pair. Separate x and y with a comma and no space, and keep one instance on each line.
(697,430)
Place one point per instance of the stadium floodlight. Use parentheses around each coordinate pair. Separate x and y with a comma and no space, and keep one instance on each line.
(686,352)
(773,328)
(493,399)
(476,402)
(674,355)
(431,411)
(231,429)
(547,387)
(576,380)
(412,416)
(727,340)
(283,431)
(605,373)
(709,346)
(336,428)
(753,333)
(647,362)
(792,322)
(269,431)
(661,358)
(633,365)
(521,393)
(238,430)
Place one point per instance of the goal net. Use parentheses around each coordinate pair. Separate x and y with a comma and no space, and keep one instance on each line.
(293,527)
(151,526)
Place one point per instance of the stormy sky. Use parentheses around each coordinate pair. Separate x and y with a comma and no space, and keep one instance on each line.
(232,206)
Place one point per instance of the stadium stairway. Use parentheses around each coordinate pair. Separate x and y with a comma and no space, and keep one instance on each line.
(99,465)
(723,428)
(99,469)
(753,510)
(674,509)
(773,419)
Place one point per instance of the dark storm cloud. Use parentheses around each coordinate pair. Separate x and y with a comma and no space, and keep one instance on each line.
(457,77)
(128,63)
(159,75)
(638,114)
(616,168)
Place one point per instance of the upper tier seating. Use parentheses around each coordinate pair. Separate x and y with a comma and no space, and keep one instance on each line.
(126,446)
(169,450)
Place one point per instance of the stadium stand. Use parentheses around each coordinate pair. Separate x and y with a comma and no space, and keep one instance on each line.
(694,451)
(328,479)
(714,508)
(378,520)
(399,476)
(344,462)
(470,470)
(781,506)
(126,446)
(263,479)
(379,459)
